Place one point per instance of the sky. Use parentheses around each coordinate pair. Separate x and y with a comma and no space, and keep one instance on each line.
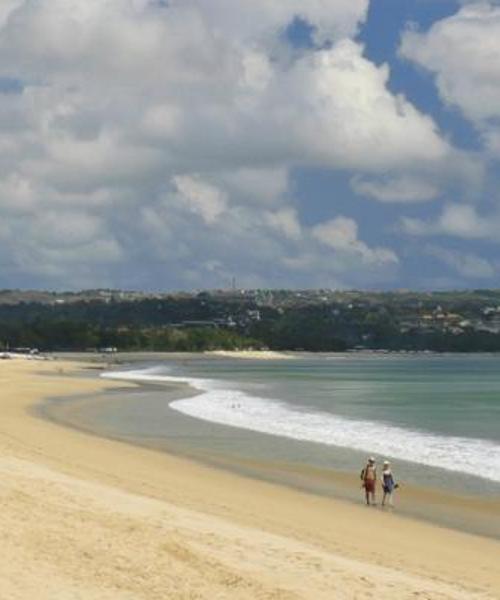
(164,145)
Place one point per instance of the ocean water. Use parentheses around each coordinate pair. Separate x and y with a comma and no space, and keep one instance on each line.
(437,413)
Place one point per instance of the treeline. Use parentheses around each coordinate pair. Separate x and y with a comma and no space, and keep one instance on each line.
(468,341)
(170,325)
(157,325)
(63,334)
(143,313)
(316,329)
(312,329)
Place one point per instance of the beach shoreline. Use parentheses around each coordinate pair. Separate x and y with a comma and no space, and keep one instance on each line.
(443,507)
(326,538)
(252,354)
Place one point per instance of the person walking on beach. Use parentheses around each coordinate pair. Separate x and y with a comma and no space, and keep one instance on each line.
(388,484)
(369,479)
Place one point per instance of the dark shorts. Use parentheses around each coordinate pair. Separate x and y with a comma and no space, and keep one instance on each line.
(370,485)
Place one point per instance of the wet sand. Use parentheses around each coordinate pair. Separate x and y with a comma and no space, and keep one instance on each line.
(84,516)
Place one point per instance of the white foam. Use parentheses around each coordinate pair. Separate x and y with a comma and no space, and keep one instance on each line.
(218,404)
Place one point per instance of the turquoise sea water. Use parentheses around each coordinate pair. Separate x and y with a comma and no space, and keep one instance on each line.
(436,415)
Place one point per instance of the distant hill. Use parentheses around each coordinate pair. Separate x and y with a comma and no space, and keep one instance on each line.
(313,320)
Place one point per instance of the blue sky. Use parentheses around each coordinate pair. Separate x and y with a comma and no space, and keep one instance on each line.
(311,143)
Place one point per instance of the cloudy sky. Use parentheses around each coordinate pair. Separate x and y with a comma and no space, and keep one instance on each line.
(176,144)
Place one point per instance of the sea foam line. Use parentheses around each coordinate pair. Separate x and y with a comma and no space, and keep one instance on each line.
(235,408)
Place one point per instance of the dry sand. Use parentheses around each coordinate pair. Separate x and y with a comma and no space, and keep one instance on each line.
(90,518)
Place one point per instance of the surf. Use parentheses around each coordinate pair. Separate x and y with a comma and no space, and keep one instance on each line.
(219,404)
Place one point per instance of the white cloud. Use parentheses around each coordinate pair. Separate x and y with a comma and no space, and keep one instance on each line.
(201,198)
(457,220)
(285,221)
(341,234)
(352,120)
(66,229)
(398,189)
(212,99)
(266,186)
(7,8)
(256,245)
(66,249)
(17,194)
(491,139)
(463,51)
(465,264)
(250,20)
(162,121)
(173,130)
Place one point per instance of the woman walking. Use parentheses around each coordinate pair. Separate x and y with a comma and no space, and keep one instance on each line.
(388,484)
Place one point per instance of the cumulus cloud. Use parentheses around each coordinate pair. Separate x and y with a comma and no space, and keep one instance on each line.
(117,76)
(247,239)
(169,131)
(284,221)
(457,220)
(398,189)
(66,249)
(466,264)
(353,121)
(266,186)
(200,198)
(463,51)
(6,8)
(251,20)
(341,234)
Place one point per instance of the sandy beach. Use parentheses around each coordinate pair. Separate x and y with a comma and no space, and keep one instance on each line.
(88,517)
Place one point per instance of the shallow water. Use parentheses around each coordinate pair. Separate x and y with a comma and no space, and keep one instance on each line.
(436,417)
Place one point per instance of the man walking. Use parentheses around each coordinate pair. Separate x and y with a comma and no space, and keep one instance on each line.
(369,479)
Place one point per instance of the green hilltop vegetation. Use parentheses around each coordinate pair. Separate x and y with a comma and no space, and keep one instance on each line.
(309,320)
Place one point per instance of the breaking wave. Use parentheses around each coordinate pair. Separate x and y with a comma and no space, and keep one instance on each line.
(218,404)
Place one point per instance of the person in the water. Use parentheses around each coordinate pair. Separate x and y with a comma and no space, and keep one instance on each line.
(369,480)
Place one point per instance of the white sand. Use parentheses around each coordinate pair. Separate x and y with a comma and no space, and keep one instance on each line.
(84,517)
